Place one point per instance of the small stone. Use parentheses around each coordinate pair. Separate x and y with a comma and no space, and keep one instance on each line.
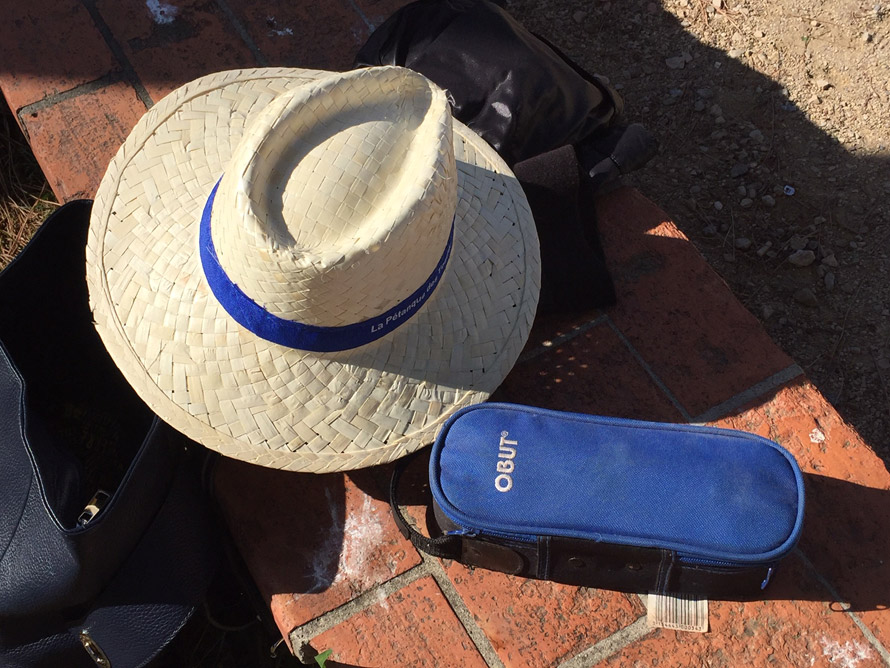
(742,190)
(756,135)
(738,169)
(746,203)
(717,4)
(789,190)
(798,242)
(675,63)
(743,243)
(695,189)
(764,248)
(699,105)
(716,110)
(853,246)
(767,311)
(769,200)
(829,280)
(709,231)
(867,37)
(705,93)
(729,257)
(759,34)
(830,260)
(823,84)
(736,53)
(718,205)
(818,220)
(806,297)
(802,258)
(579,16)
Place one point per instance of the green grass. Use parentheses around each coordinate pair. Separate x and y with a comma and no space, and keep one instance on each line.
(25,197)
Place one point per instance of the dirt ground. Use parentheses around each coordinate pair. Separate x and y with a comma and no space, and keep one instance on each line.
(773,118)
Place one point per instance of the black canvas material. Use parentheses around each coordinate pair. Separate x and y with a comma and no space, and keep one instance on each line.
(513,88)
(557,126)
(70,425)
(574,273)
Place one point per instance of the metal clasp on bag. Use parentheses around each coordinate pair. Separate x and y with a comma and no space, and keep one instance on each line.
(95,652)
(96,504)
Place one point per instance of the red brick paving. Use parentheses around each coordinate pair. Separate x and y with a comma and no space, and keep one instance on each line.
(795,627)
(323,550)
(413,626)
(278,29)
(29,71)
(724,348)
(88,130)
(570,377)
(312,542)
(847,526)
(536,623)
(197,40)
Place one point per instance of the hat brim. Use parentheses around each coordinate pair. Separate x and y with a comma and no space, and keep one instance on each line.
(268,404)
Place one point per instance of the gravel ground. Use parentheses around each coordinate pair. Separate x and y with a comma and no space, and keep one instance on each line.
(774,127)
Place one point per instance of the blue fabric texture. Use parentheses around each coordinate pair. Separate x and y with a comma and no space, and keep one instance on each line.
(521,472)
(301,336)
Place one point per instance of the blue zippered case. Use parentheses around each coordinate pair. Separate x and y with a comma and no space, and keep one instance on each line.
(614,503)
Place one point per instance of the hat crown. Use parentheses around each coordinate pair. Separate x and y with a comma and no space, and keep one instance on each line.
(338,201)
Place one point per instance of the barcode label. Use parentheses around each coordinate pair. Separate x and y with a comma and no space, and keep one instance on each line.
(680,612)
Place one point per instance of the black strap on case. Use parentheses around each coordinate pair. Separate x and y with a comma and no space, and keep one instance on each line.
(444,547)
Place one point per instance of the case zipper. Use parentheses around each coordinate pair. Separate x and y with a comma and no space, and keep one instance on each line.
(473,533)
(697,561)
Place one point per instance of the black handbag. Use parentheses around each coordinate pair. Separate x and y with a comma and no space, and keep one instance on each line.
(106,540)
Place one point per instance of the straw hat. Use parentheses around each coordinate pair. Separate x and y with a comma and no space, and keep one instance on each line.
(311,270)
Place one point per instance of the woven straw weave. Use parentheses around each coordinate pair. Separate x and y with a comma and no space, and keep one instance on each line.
(332,226)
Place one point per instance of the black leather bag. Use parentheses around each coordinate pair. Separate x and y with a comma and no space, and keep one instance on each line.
(106,541)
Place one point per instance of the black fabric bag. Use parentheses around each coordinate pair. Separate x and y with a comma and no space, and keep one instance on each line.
(513,88)
(555,124)
(106,540)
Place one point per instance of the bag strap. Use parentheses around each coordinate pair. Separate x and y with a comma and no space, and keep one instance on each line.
(448,546)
